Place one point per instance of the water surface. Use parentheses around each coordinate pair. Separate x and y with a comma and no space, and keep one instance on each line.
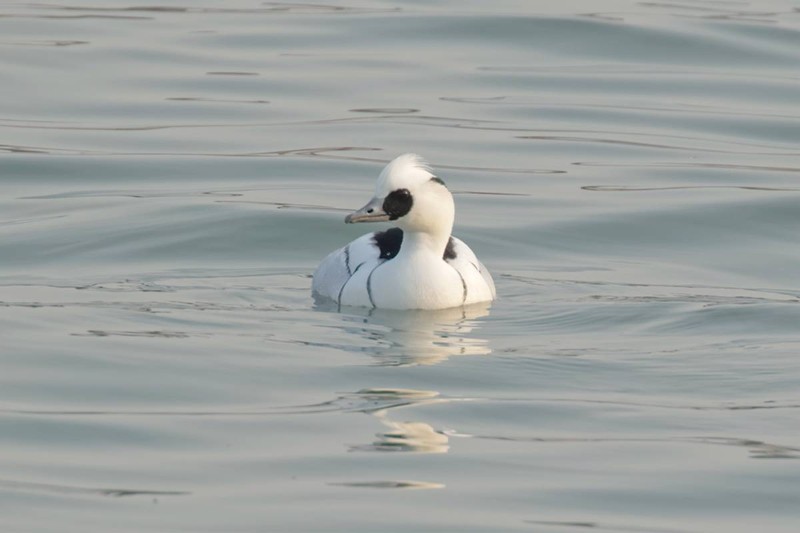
(172,174)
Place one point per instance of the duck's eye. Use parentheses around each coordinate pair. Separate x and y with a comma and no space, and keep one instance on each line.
(398,203)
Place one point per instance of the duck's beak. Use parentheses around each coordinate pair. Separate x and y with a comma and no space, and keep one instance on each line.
(372,212)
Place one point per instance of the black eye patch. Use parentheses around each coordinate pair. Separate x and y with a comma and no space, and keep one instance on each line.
(398,203)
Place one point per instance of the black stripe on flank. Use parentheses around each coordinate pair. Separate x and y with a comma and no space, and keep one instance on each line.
(388,242)
(341,291)
(369,285)
(398,203)
(463,284)
(369,288)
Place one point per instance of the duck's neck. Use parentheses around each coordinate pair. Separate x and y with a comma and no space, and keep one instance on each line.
(417,243)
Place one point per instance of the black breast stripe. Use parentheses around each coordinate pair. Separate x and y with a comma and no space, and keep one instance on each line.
(388,242)
(347,259)
(450,250)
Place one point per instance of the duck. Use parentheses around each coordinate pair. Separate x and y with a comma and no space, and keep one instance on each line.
(417,264)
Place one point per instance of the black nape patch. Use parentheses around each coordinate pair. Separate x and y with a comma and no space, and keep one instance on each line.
(388,241)
(438,180)
(450,250)
(398,203)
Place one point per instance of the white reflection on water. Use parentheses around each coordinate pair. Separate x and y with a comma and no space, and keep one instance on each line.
(402,338)
(411,437)
(405,436)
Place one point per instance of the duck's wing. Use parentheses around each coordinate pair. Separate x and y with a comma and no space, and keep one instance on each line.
(464,260)
(339,266)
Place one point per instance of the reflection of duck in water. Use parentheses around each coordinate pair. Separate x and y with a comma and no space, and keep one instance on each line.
(419,337)
(416,265)
(416,437)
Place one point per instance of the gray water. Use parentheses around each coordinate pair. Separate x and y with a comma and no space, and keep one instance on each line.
(172,173)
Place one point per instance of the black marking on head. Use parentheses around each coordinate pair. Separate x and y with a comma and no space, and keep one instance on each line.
(438,180)
(450,250)
(398,203)
(388,242)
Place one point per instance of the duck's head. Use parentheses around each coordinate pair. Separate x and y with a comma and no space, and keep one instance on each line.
(409,194)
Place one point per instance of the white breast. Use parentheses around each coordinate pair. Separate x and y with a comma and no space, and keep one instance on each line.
(355,275)
(415,282)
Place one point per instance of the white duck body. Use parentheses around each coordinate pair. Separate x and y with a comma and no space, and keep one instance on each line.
(418,264)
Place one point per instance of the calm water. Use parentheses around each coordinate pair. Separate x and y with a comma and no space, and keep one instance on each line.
(170,176)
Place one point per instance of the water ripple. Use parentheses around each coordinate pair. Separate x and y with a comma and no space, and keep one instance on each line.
(615,188)
(271,8)
(603,526)
(28,486)
(389,484)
